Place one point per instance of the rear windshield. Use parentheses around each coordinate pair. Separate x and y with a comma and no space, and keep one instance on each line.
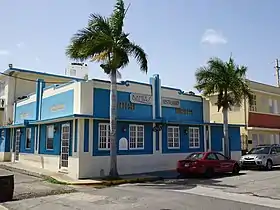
(259,150)
(195,156)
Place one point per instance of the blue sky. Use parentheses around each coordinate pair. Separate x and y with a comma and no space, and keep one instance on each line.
(178,35)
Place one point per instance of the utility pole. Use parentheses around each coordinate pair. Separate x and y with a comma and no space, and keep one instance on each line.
(277,72)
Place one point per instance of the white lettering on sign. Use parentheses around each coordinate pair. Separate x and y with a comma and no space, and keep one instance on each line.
(57,108)
(170,102)
(141,98)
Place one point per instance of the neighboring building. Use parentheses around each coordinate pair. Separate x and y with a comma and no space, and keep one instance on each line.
(66,128)
(77,70)
(262,118)
(18,83)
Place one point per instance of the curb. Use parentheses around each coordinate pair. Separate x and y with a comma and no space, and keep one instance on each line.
(3,207)
(103,183)
(23,171)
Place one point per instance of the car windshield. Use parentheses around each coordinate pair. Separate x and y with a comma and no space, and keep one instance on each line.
(195,156)
(259,150)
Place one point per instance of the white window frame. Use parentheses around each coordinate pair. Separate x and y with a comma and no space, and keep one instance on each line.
(192,138)
(136,136)
(47,137)
(107,136)
(27,136)
(173,137)
(253,107)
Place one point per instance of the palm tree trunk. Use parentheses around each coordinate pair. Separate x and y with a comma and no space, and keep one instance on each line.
(226,137)
(113,125)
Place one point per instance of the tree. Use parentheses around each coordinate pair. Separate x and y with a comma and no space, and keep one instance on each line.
(103,40)
(227,80)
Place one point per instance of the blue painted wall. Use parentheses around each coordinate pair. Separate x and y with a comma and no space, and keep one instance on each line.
(148,139)
(57,140)
(66,99)
(5,142)
(23,149)
(25,112)
(217,135)
(184,140)
(101,106)
(169,113)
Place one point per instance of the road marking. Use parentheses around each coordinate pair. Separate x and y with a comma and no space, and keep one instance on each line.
(216,193)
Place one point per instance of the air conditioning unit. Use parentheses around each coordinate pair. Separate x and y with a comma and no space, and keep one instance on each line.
(2,103)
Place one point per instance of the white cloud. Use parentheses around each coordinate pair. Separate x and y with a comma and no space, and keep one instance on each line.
(213,37)
(4,52)
(20,44)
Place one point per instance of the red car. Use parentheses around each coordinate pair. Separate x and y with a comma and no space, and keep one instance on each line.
(207,163)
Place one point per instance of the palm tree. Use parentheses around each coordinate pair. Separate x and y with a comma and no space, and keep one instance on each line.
(227,80)
(103,40)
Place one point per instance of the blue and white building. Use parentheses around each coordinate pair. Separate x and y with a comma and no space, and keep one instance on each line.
(65,128)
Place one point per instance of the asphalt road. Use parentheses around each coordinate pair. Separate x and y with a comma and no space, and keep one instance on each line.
(254,190)
(133,197)
(31,187)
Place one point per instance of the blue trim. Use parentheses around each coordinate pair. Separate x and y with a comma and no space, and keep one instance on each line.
(38,83)
(86,136)
(125,83)
(157,141)
(42,73)
(23,149)
(76,136)
(157,99)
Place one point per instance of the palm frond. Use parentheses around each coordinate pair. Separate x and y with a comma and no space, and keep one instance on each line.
(139,54)
(117,18)
(225,79)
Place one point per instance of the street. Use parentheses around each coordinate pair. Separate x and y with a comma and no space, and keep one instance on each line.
(30,187)
(256,190)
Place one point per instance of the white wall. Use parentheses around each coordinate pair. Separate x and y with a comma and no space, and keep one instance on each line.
(15,88)
(173,93)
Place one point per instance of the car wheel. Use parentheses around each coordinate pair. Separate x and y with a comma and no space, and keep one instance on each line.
(235,169)
(209,173)
(269,165)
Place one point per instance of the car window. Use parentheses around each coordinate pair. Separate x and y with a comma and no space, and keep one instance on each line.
(195,156)
(278,150)
(211,156)
(221,157)
(273,151)
(259,150)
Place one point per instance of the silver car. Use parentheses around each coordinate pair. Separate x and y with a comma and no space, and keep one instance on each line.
(262,156)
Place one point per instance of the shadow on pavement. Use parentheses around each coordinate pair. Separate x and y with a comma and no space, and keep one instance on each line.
(170,180)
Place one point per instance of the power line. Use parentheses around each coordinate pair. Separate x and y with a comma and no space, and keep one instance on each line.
(30,80)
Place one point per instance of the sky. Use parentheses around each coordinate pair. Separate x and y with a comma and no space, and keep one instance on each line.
(178,36)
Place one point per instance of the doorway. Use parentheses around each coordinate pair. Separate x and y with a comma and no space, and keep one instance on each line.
(64,153)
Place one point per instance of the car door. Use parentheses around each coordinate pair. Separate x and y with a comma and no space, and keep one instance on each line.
(213,162)
(225,163)
(277,155)
(274,156)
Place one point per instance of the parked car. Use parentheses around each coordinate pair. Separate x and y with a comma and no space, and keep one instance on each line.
(207,164)
(262,156)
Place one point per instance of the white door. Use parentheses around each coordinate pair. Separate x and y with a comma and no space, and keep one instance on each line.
(64,153)
(17,144)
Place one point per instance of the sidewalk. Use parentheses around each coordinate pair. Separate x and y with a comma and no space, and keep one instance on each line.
(61,178)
